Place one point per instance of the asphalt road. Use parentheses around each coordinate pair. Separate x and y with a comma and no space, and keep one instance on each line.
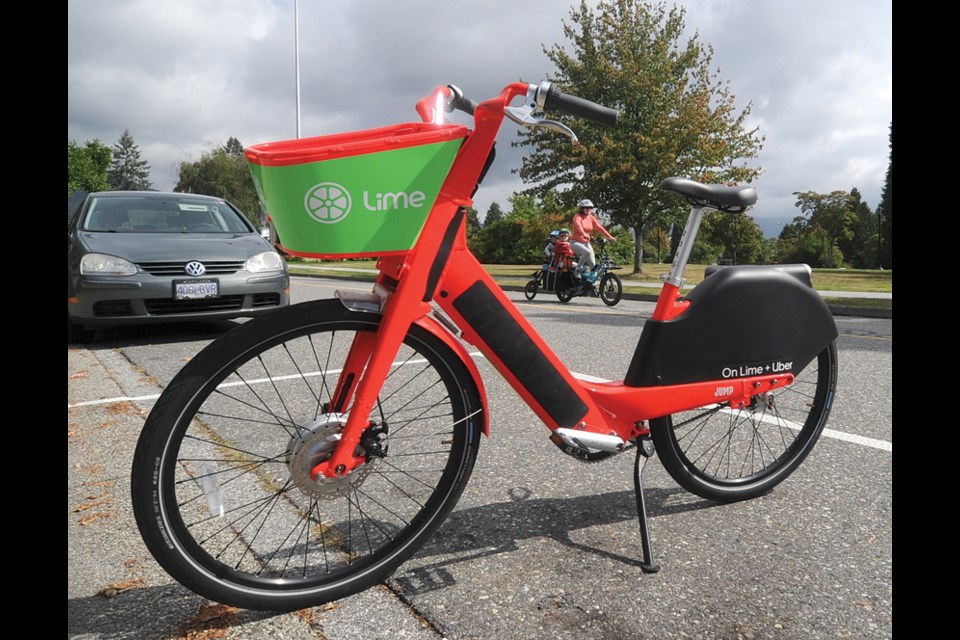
(540,545)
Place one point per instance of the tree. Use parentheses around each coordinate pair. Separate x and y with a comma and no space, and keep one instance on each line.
(128,172)
(832,218)
(494,213)
(798,244)
(223,173)
(658,242)
(676,117)
(885,213)
(737,235)
(474,228)
(87,166)
(861,250)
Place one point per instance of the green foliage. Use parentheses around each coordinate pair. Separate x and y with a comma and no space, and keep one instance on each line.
(87,166)
(885,213)
(128,172)
(801,241)
(738,237)
(656,244)
(223,173)
(474,228)
(620,251)
(862,250)
(676,117)
(831,220)
(521,235)
(494,213)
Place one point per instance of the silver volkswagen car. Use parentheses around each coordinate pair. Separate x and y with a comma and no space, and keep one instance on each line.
(144,256)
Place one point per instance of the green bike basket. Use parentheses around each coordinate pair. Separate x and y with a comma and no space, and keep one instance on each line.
(358,194)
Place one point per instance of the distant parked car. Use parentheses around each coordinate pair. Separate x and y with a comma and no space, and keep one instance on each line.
(138,257)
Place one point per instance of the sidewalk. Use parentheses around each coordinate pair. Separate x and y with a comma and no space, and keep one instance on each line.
(647,291)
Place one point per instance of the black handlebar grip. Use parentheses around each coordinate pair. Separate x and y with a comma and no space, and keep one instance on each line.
(575,106)
(459,102)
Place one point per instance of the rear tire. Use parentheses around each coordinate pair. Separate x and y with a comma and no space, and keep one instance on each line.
(219,481)
(726,454)
(565,287)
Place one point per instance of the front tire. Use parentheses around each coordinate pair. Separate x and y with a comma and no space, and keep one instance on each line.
(219,488)
(611,289)
(530,291)
(725,454)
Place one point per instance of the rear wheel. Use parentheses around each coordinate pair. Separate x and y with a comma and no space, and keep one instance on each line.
(221,482)
(530,291)
(726,454)
(565,287)
(611,289)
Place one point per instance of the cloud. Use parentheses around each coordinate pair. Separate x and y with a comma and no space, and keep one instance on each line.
(184,76)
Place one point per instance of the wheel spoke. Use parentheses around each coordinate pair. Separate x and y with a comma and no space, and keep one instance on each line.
(237,452)
(724,453)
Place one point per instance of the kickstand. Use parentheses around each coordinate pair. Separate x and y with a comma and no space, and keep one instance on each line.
(645,449)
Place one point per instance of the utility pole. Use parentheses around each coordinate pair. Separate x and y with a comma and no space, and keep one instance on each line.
(296,46)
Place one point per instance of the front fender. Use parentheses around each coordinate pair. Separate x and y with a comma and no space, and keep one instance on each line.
(430,324)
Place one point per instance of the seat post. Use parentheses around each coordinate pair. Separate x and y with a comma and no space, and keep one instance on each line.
(685,248)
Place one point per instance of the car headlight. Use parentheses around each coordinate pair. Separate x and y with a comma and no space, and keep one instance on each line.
(266,261)
(99,264)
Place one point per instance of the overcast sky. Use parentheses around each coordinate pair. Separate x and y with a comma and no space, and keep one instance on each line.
(184,76)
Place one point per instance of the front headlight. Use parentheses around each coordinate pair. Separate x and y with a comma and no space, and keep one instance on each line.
(100,264)
(266,261)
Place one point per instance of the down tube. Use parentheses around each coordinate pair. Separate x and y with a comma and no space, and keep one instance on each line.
(490,321)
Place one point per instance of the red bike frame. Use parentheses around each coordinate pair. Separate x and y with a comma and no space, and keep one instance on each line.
(440,268)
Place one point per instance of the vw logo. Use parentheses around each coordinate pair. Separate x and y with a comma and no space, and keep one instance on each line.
(195,268)
(327,202)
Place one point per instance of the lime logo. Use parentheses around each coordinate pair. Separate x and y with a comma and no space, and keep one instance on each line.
(327,202)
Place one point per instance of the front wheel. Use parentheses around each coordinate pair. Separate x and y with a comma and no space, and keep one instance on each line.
(726,454)
(530,291)
(220,483)
(611,289)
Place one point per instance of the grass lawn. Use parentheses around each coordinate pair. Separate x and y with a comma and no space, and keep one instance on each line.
(873,281)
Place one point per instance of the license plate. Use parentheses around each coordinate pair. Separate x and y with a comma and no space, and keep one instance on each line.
(196,288)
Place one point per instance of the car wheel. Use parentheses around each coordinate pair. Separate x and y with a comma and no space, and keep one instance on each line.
(77,333)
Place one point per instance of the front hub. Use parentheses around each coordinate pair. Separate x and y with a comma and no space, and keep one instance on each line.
(314,443)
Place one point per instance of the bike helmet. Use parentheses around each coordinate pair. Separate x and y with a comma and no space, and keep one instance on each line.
(554,234)
(564,230)
(586,204)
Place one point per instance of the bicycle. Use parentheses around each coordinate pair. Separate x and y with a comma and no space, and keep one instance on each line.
(610,287)
(546,278)
(306,454)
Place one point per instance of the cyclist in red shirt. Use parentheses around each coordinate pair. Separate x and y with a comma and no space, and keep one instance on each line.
(585,223)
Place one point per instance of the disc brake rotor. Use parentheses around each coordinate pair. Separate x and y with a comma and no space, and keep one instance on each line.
(314,443)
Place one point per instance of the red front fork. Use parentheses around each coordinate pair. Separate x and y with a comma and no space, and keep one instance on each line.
(410,272)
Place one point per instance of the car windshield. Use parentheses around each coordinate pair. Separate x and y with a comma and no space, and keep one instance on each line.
(151,214)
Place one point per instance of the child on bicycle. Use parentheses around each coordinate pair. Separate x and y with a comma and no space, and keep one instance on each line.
(549,249)
(563,253)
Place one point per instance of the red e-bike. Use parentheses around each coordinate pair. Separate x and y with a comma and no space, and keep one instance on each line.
(306,454)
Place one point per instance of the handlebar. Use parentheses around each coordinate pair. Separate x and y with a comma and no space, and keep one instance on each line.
(549,98)
(475,154)
(546,97)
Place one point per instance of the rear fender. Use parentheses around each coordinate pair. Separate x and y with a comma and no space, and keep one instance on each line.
(742,321)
